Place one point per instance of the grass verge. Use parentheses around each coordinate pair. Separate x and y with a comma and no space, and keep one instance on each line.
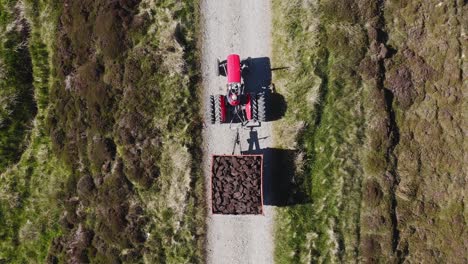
(122,108)
(325,109)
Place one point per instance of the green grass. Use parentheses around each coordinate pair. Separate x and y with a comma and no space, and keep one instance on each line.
(325,229)
(17,107)
(32,189)
(175,203)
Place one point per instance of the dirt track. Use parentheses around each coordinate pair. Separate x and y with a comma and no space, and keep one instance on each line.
(241,27)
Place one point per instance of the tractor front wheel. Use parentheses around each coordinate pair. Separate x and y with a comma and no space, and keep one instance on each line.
(219,109)
(212,110)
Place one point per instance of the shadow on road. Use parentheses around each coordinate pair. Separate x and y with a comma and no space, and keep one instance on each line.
(258,76)
(277,105)
(257,79)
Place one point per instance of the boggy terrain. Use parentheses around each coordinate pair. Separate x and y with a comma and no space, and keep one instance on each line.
(110,172)
(375,110)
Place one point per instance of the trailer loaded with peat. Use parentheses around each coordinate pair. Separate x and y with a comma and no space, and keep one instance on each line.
(236,184)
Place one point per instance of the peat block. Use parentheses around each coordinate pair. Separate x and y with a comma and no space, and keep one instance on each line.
(236,184)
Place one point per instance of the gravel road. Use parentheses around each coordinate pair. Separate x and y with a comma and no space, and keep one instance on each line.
(243,27)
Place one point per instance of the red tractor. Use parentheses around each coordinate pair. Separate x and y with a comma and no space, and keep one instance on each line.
(237,105)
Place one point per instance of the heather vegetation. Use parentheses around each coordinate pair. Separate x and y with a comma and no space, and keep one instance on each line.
(374,94)
(108,171)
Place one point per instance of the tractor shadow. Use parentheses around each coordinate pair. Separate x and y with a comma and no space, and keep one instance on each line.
(281,187)
(258,79)
(258,75)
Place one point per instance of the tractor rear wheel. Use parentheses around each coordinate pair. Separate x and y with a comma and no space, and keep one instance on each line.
(254,106)
(261,107)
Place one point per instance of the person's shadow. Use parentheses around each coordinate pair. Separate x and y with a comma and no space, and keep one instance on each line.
(253,141)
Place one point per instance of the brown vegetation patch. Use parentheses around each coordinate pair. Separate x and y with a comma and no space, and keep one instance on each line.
(92,44)
(86,188)
(371,248)
(373,193)
(78,244)
(401,86)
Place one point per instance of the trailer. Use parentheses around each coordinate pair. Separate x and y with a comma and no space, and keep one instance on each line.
(237,184)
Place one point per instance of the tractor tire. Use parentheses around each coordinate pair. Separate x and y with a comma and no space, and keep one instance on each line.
(212,110)
(254,106)
(218,117)
(262,107)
